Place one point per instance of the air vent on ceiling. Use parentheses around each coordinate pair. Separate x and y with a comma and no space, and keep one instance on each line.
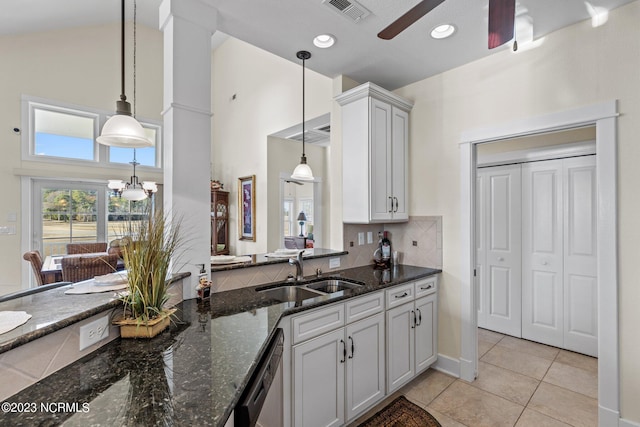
(347,8)
(311,137)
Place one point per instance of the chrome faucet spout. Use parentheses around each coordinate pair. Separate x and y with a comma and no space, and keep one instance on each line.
(299,268)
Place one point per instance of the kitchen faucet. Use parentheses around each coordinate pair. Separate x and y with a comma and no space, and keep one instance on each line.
(298,263)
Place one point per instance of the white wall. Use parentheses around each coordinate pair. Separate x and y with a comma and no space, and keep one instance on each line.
(576,66)
(79,66)
(268,98)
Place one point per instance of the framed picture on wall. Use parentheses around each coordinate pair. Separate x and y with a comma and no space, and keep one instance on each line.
(247,208)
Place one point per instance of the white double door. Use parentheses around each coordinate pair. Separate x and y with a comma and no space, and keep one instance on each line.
(537,252)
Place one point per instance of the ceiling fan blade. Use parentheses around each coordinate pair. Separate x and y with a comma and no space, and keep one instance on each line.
(402,23)
(501,18)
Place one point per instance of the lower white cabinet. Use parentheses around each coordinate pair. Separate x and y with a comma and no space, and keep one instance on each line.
(411,341)
(339,374)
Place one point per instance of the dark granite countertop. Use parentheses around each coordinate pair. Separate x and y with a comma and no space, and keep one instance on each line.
(52,310)
(191,374)
(262,259)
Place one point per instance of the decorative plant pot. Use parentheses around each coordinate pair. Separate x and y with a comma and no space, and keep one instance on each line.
(132,328)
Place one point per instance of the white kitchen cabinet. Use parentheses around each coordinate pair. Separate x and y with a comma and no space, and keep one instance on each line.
(375,140)
(339,374)
(411,333)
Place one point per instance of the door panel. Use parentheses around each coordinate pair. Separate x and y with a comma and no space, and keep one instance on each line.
(480,248)
(380,146)
(426,309)
(580,272)
(542,258)
(399,148)
(400,346)
(502,267)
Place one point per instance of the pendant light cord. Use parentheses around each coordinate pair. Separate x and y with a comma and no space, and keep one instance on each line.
(123,97)
(135,48)
(303,115)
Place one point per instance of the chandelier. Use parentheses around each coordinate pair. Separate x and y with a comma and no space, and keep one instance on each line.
(133,190)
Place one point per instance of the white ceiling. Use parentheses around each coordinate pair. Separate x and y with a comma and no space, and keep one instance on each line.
(285,26)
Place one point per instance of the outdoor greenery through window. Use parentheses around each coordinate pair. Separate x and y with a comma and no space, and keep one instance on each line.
(76,214)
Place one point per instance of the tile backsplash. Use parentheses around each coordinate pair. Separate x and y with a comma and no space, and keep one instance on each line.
(418,241)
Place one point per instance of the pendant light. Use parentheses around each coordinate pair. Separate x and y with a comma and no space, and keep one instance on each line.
(123,130)
(133,190)
(303,172)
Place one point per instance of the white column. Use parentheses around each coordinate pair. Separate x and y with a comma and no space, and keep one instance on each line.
(188,26)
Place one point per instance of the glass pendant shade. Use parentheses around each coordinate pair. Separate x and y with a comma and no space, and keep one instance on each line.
(134,194)
(123,131)
(302,172)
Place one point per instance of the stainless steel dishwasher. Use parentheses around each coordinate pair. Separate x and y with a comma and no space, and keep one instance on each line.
(268,373)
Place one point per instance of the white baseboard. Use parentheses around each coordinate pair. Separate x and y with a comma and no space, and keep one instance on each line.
(627,423)
(448,365)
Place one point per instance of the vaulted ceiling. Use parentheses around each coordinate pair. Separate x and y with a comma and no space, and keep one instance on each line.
(285,26)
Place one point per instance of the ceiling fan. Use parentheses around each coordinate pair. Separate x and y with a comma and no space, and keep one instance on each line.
(501,20)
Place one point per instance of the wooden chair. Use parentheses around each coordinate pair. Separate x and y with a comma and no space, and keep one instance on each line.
(86,248)
(77,268)
(35,259)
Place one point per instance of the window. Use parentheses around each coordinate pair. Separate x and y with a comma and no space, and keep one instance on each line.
(66,134)
(73,212)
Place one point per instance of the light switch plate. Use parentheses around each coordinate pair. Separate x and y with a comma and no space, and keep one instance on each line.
(369,237)
(361,238)
(334,262)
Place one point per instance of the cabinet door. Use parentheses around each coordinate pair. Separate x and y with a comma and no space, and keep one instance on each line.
(542,263)
(580,267)
(365,364)
(318,381)
(400,346)
(380,156)
(426,346)
(399,163)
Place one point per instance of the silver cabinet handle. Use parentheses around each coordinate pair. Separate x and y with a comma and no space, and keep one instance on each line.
(402,296)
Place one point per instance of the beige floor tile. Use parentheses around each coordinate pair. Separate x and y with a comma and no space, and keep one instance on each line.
(489,336)
(483,347)
(529,347)
(523,363)
(565,405)
(443,419)
(512,386)
(572,378)
(427,386)
(474,407)
(531,418)
(578,360)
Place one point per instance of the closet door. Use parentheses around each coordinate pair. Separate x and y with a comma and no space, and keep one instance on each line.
(580,243)
(502,245)
(480,287)
(542,254)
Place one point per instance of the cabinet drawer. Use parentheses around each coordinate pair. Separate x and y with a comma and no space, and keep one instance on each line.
(426,286)
(317,322)
(365,306)
(400,295)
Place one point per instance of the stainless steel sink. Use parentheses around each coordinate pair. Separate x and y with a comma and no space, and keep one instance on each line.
(289,293)
(331,286)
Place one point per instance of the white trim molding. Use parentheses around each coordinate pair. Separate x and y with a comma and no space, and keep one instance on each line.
(447,365)
(604,117)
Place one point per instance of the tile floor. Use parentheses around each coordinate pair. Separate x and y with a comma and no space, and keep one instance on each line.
(520,383)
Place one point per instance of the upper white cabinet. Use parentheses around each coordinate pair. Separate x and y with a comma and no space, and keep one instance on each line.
(375,141)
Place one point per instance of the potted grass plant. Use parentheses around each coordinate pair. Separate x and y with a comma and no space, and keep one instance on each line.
(147,257)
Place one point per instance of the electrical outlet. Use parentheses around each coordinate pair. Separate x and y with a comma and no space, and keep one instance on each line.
(93,332)
(415,243)
(334,262)
(361,238)
(369,237)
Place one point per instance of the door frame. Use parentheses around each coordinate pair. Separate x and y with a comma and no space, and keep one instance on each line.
(604,117)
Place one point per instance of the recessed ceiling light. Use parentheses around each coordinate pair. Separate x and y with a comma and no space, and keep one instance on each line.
(443,31)
(324,41)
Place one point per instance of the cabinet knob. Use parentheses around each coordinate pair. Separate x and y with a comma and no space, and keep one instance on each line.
(544,263)
(500,258)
